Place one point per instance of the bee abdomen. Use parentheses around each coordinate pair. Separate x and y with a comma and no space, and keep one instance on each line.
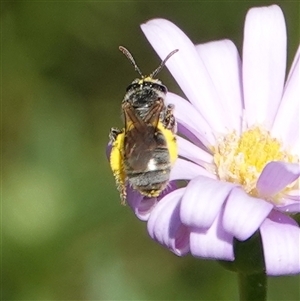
(155,177)
(150,183)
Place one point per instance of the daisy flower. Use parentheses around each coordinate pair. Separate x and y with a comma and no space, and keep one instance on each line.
(238,145)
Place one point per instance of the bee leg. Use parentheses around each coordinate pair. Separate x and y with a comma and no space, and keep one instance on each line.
(113,134)
(169,121)
(123,194)
(117,161)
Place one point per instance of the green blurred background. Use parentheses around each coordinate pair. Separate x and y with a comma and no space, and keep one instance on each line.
(65,235)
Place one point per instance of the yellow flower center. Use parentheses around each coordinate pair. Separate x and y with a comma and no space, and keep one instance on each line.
(241,159)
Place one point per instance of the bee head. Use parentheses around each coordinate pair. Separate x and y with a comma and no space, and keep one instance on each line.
(146,84)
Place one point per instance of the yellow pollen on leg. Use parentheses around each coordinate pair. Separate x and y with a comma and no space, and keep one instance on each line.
(241,159)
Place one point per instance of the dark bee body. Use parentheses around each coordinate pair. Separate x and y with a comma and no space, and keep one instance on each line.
(144,151)
(147,161)
(142,94)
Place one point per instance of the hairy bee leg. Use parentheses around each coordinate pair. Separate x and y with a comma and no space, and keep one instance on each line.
(169,121)
(114,132)
(123,194)
(117,161)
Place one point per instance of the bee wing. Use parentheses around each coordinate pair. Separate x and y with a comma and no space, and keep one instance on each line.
(140,140)
(132,120)
(153,115)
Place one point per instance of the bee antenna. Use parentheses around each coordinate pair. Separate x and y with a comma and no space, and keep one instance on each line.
(131,59)
(161,65)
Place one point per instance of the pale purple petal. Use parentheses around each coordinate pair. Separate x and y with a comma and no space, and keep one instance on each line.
(293,194)
(286,125)
(244,214)
(223,63)
(264,63)
(187,68)
(295,61)
(214,243)
(189,135)
(190,118)
(190,151)
(141,205)
(164,224)
(186,170)
(290,208)
(108,150)
(289,202)
(203,200)
(281,242)
(276,176)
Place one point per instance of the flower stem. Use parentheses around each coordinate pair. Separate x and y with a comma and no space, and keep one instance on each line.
(252,287)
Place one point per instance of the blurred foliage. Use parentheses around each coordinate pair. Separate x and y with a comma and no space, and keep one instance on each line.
(64,234)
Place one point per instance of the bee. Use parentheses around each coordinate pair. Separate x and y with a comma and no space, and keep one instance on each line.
(144,151)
